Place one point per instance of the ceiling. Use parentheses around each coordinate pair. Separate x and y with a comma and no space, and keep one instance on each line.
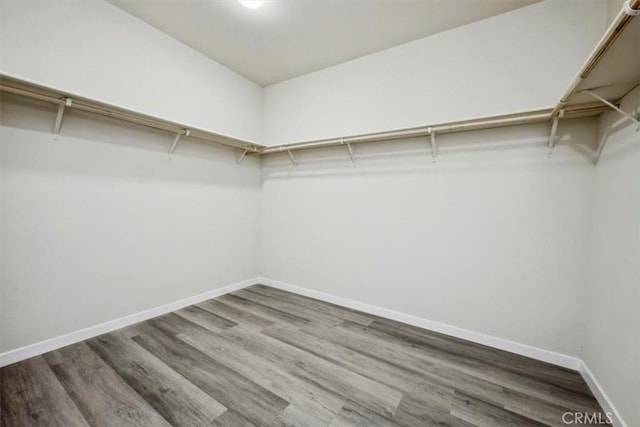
(288,38)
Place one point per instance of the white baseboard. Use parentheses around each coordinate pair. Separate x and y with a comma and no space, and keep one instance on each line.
(36,349)
(559,359)
(26,352)
(601,396)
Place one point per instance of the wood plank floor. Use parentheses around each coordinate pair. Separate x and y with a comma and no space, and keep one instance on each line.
(265,357)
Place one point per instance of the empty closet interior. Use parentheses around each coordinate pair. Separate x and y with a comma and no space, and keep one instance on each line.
(440,229)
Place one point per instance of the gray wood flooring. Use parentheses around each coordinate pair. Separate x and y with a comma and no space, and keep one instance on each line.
(265,357)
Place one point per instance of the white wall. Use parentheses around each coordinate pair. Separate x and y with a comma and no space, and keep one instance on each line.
(612,309)
(93,49)
(491,238)
(99,222)
(518,61)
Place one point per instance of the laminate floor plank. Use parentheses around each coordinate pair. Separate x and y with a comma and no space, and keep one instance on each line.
(354,415)
(482,370)
(295,416)
(226,386)
(483,414)
(535,369)
(432,374)
(231,418)
(102,396)
(414,412)
(334,310)
(177,399)
(393,376)
(539,410)
(239,316)
(266,357)
(31,395)
(368,393)
(315,402)
(264,311)
(287,307)
(205,318)
(171,323)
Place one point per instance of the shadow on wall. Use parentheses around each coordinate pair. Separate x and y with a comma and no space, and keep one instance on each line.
(509,148)
(192,160)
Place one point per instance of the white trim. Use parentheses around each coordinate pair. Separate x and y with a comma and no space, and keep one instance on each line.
(601,396)
(36,349)
(559,359)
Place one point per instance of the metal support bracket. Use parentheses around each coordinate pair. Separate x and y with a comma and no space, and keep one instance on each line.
(67,103)
(609,104)
(554,130)
(353,157)
(293,159)
(434,147)
(175,141)
(244,154)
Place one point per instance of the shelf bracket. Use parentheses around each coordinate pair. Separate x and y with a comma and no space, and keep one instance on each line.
(434,147)
(609,104)
(353,158)
(554,130)
(293,159)
(244,154)
(61,107)
(175,141)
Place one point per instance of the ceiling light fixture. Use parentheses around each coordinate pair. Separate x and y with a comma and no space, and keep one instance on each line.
(251,4)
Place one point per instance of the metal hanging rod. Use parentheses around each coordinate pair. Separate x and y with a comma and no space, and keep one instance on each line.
(630,10)
(104,110)
(461,126)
